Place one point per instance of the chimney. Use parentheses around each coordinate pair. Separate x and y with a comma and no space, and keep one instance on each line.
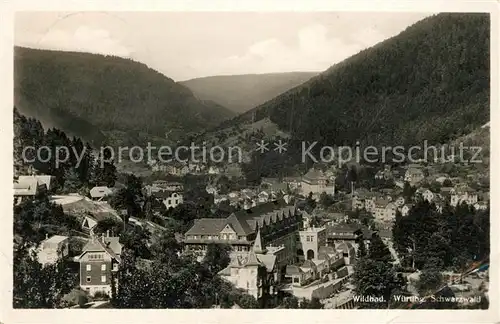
(46,236)
(107,233)
(102,237)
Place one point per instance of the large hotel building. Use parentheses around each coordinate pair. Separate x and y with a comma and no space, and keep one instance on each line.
(278,223)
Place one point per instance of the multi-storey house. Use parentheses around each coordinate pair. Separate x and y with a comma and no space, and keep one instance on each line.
(99,262)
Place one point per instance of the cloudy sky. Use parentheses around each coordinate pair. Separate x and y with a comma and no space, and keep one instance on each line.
(190,45)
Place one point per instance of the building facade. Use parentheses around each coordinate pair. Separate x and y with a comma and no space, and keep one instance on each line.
(317,182)
(53,249)
(98,264)
(310,240)
(277,222)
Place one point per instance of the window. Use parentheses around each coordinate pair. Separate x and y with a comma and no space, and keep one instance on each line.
(176,201)
(115,266)
(88,278)
(89,267)
(103,279)
(103,267)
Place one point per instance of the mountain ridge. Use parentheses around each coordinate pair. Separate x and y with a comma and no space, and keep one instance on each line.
(108,93)
(242,92)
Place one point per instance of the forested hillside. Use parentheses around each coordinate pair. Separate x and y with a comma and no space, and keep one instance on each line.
(89,95)
(429,82)
(243,92)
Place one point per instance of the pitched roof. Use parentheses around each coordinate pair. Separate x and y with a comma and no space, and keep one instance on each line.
(382,203)
(111,245)
(239,224)
(244,221)
(292,270)
(163,194)
(314,174)
(27,186)
(345,247)
(207,226)
(41,179)
(308,264)
(325,251)
(268,260)
(252,260)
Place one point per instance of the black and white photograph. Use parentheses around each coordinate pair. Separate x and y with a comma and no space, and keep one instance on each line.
(273,160)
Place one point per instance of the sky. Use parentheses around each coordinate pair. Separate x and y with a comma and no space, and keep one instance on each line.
(186,45)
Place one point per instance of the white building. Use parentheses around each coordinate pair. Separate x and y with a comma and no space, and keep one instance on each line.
(173,200)
(461,195)
(52,249)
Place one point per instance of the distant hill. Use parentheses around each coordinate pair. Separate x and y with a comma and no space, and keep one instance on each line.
(243,92)
(99,97)
(431,82)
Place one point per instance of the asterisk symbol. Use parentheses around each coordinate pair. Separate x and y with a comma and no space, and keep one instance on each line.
(280,147)
(262,146)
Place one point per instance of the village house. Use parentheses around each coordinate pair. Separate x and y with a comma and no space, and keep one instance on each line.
(170,199)
(53,249)
(263,196)
(329,263)
(384,174)
(100,193)
(257,272)
(384,210)
(99,262)
(45,180)
(160,168)
(278,223)
(463,195)
(370,201)
(163,185)
(343,233)
(414,174)
(348,252)
(213,170)
(173,169)
(293,183)
(317,182)
(481,205)
(364,198)
(29,187)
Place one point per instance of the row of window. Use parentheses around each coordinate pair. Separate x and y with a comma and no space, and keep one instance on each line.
(103,279)
(96,256)
(103,267)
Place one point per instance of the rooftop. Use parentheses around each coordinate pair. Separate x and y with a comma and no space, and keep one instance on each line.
(244,222)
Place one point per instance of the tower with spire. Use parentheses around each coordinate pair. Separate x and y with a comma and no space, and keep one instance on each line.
(257,245)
